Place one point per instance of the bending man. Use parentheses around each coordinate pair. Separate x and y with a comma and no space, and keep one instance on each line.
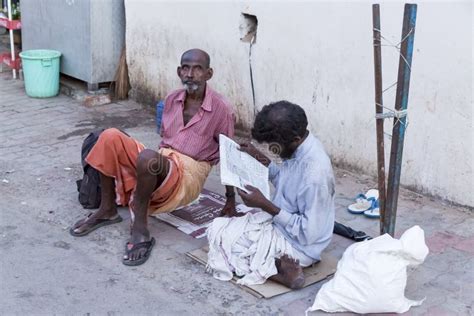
(152,182)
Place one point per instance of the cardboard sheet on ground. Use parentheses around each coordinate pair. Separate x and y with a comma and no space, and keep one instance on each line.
(318,272)
(194,218)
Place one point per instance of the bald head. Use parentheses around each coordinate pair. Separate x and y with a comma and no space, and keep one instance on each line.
(195,71)
(196,54)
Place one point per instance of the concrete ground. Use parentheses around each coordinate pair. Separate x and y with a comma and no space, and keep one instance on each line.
(46,271)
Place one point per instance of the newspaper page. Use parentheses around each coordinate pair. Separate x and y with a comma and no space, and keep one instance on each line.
(240,169)
(194,218)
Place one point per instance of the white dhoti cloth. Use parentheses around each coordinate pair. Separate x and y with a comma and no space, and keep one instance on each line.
(248,246)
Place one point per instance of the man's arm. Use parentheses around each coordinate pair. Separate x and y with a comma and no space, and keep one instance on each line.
(316,214)
(306,226)
(255,198)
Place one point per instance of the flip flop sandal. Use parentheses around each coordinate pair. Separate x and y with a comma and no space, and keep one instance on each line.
(98,224)
(146,244)
(364,202)
(374,212)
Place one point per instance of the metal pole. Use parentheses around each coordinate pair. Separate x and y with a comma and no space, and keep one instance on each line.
(399,123)
(12,45)
(378,110)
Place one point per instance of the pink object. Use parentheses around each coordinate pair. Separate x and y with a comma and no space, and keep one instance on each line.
(199,139)
(6,59)
(10,24)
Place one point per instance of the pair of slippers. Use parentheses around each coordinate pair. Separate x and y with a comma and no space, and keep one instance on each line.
(129,248)
(367,204)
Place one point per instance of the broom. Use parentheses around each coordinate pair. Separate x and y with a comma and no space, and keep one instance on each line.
(121,84)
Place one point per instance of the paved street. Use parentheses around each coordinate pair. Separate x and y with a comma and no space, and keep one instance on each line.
(45,271)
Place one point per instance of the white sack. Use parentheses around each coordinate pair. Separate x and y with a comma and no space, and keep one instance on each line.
(371,275)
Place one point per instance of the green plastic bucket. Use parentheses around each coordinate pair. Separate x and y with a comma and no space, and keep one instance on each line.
(41,72)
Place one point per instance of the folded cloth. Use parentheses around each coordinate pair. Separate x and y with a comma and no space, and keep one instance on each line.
(248,246)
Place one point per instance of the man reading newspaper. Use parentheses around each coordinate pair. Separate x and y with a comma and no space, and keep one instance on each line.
(296,225)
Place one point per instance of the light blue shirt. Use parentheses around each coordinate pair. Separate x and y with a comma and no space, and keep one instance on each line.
(304,192)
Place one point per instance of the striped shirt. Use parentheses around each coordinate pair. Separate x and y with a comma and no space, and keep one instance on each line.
(199,139)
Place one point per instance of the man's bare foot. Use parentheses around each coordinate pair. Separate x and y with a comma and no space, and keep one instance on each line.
(87,224)
(290,273)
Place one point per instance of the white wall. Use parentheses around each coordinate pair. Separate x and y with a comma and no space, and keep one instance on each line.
(320,56)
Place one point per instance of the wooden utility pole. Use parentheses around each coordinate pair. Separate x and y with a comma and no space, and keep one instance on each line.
(379,110)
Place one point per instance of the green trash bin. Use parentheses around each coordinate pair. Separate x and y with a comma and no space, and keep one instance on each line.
(41,72)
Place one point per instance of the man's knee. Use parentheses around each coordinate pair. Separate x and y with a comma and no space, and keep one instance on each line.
(111,134)
(150,162)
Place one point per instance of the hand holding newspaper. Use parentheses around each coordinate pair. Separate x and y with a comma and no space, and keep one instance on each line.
(239,169)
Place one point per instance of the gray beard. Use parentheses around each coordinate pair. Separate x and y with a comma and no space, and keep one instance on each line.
(190,88)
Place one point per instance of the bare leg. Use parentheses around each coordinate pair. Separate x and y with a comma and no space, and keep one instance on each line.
(290,273)
(107,208)
(152,169)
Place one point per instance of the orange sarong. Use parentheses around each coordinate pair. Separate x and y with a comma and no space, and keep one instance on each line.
(115,155)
